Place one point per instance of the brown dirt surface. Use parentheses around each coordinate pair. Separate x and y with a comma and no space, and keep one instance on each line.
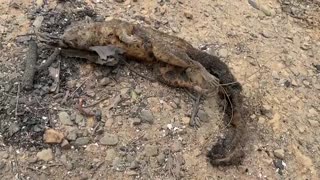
(140,130)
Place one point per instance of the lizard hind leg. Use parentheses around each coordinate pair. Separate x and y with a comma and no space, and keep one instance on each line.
(173,76)
(193,69)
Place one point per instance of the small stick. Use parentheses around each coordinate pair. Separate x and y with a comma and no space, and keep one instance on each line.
(17,102)
(30,65)
(97,102)
(38,170)
(72,94)
(83,111)
(64,100)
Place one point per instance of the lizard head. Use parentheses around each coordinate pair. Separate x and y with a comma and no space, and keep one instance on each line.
(76,36)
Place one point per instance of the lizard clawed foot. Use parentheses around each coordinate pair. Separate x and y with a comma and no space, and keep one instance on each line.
(211,80)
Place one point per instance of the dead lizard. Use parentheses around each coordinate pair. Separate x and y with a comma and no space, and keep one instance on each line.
(177,63)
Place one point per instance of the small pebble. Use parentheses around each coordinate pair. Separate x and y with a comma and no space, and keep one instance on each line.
(52,136)
(2,164)
(279,153)
(13,128)
(306,83)
(275,75)
(151,150)
(109,139)
(32,159)
(45,155)
(223,53)
(65,145)
(146,116)
(135,121)
(65,118)
(105,81)
(261,120)
(203,116)
(82,141)
(266,34)
(111,155)
(4,155)
(188,15)
(161,158)
(313,123)
(72,135)
(294,82)
(316,86)
(176,146)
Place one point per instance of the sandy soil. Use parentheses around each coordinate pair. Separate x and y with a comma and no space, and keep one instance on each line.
(272,47)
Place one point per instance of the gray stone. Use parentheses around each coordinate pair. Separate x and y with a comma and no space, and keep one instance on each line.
(223,53)
(43,177)
(313,123)
(188,15)
(80,120)
(2,164)
(267,110)
(134,165)
(174,28)
(261,120)
(4,155)
(105,81)
(151,150)
(294,82)
(33,160)
(45,155)
(14,128)
(132,173)
(82,141)
(111,154)
(203,116)
(135,121)
(147,116)
(161,158)
(116,162)
(266,34)
(65,144)
(306,83)
(109,139)
(275,75)
(38,21)
(176,146)
(279,153)
(72,135)
(317,86)
(91,93)
(66,163)
(65,118)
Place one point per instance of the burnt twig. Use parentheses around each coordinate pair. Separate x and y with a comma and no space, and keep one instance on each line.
(30,65)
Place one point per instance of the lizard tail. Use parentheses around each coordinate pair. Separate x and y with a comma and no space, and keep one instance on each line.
(228,150)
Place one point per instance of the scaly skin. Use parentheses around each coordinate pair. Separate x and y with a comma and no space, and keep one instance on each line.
(177,63)
(141,43)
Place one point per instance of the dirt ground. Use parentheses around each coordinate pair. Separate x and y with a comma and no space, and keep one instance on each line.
(141,129)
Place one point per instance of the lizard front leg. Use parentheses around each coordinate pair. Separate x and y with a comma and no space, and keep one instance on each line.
(175,76)
(125,35)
